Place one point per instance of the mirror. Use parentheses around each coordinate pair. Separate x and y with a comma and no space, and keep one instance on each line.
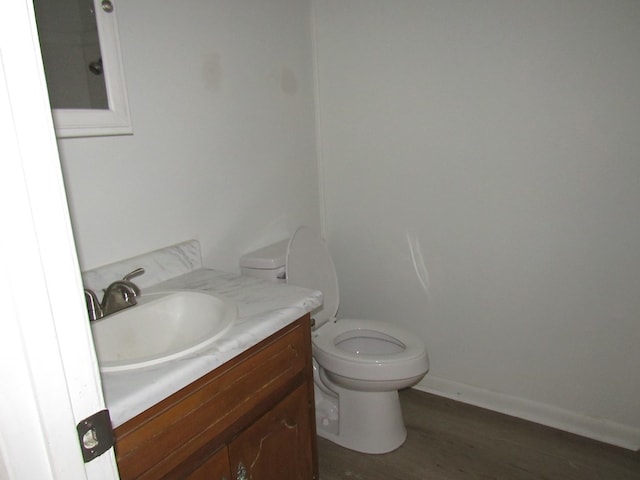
(83,67)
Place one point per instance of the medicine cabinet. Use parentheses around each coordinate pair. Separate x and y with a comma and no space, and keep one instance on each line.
(83,67)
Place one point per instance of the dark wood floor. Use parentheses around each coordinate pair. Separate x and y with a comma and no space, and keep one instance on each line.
(453,441)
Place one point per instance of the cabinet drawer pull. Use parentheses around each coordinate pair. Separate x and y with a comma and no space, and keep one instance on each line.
(241,472)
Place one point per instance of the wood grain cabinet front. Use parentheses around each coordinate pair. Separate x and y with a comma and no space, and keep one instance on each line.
(278,445)
(251,418)
(214,468)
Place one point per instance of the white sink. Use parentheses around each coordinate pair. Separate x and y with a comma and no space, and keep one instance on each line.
(160,328)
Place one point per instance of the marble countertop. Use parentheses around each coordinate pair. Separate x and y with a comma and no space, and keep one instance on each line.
(263,309)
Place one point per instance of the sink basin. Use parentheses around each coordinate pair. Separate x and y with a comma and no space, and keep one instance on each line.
(160,328)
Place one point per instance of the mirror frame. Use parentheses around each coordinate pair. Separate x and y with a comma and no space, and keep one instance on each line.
(93,122)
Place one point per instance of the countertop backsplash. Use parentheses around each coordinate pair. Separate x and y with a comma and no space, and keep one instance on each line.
(159,265)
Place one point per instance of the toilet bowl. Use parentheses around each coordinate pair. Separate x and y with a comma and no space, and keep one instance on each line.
(359,365)
(368,355)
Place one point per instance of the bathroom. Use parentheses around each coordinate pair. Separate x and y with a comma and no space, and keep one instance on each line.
(480,189)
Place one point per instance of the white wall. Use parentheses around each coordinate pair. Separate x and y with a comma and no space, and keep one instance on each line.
(501,140)
(221,99)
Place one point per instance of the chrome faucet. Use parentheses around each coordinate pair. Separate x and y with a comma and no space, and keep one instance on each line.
(119,295)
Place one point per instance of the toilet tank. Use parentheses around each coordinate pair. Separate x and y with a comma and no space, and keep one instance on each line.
(267,262)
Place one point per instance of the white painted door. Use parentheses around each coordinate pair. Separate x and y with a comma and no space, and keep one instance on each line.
(48,369)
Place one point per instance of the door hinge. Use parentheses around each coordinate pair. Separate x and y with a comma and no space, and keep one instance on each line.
(95,435)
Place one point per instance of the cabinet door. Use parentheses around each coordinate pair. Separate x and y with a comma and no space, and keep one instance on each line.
(215,468)
(278,445)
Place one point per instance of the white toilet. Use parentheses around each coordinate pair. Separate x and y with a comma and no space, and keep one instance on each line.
(359,365)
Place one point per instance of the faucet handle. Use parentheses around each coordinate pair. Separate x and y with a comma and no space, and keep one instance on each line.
(93,305)
(137,272)
(132,286)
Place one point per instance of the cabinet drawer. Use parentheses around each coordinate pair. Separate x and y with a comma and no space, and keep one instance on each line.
(207,412)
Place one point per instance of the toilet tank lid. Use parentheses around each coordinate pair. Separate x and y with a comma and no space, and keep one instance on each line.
(266,258)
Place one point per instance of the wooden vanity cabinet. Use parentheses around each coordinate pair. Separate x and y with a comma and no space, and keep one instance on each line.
(251,418)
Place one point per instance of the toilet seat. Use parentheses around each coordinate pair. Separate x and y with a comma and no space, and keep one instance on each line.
(309,264)
(408,359)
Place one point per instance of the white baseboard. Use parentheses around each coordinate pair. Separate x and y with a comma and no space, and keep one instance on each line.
(598,429)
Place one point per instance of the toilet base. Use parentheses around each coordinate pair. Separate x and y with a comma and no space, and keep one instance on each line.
(367,422)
